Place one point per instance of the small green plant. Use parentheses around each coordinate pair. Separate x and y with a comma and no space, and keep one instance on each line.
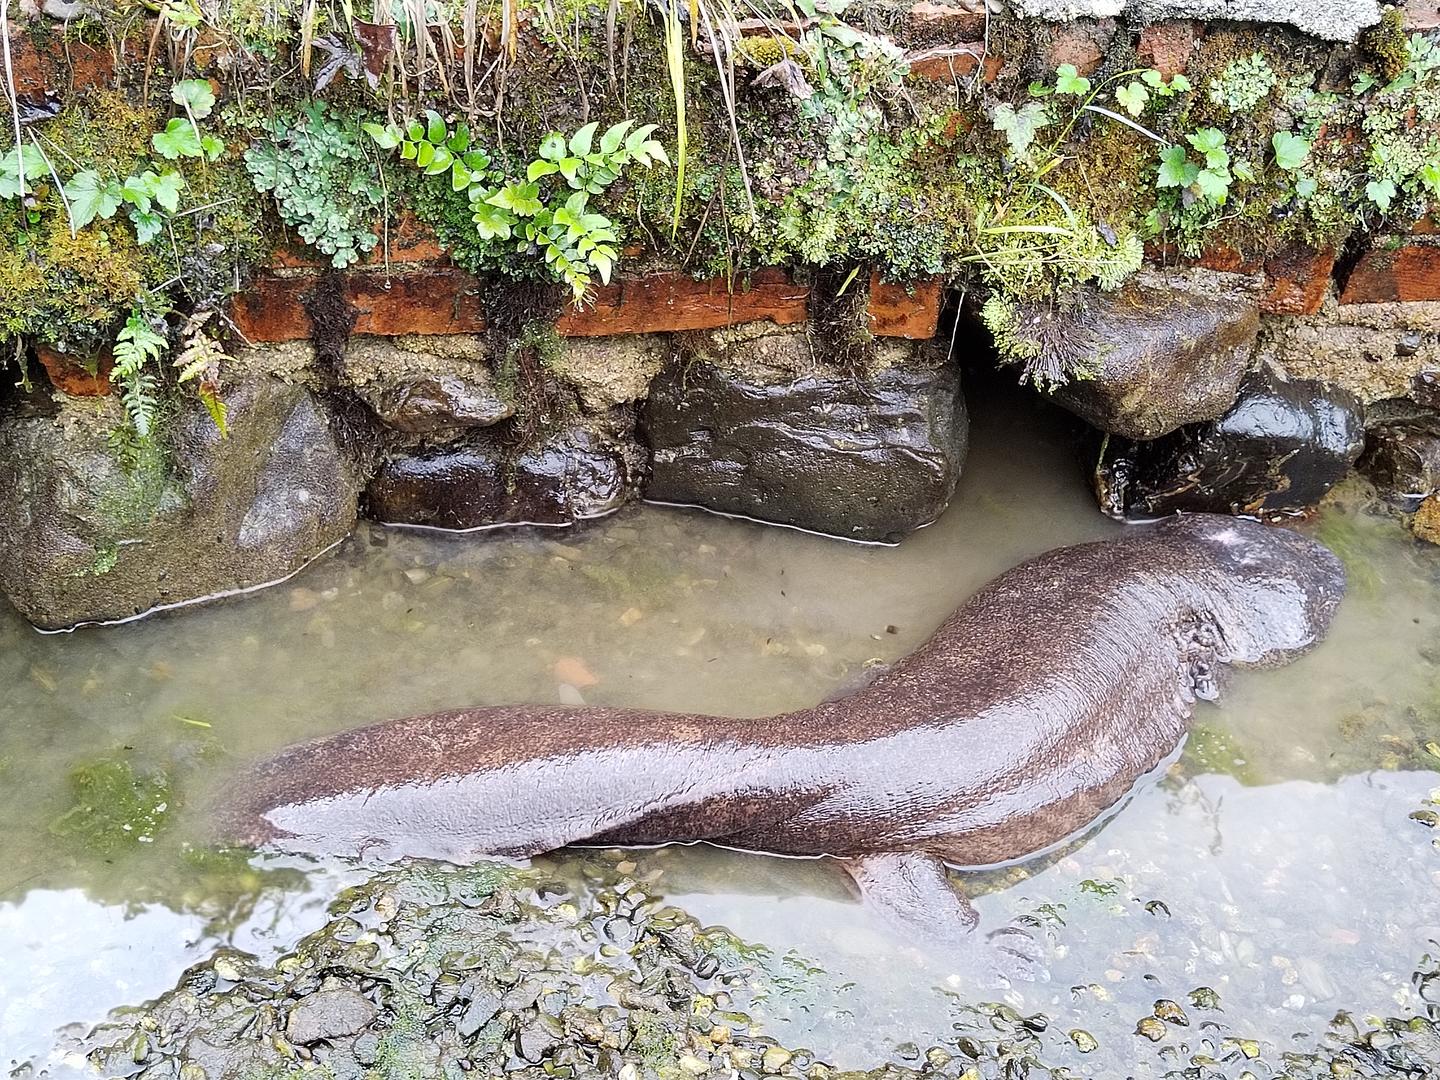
(548,212)
(1245,82)
(1403,161)
(89,195)
(323,181)
(1135,95)
(138,348)
(1207,180)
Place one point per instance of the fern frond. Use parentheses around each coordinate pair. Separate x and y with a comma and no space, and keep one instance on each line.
(137,346)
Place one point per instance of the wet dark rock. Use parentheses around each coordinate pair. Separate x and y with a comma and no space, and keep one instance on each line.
(85,537)
(329,1014)
(757,431)
(426,385)
(577,473)
(1402,459)
(1279,449)
(1168,349)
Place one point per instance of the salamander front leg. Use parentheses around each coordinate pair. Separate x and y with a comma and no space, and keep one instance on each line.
(912,891)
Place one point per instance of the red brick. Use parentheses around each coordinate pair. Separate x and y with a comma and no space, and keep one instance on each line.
(955,62)
(1296,281)
(69,375)
(60,65)
(1166,46)
(416,302)
(1407,273)
(662,302)
(896,311)
(271,308)
(438,300)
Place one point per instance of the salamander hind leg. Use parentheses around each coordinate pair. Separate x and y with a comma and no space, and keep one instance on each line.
(913,892)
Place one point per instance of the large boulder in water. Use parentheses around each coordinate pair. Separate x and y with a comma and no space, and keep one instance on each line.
(748,422)
(1167,349)
(1279,449)
(92,533)
(571,474)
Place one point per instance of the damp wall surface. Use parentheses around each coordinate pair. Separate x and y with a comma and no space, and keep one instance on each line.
(244,313)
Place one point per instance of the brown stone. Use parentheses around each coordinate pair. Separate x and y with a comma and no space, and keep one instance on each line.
(1166,46)
(1296,281)
(661,302)
(70,376)
(1426,522)
(1407,273)
(271,308)
(904,312)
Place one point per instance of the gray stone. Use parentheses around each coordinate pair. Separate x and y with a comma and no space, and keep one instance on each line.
(1165,350)
(1278,450)
(1334,20)
(1376,351)
(329,1014)
(579,472)
(84,538)
(425,385)
(749,424)
(610,371)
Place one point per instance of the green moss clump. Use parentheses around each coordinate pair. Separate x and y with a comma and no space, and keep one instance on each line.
(67,290)
(114,807)
(1385,45)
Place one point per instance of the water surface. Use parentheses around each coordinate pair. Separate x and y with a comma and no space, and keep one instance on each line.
(1276,865)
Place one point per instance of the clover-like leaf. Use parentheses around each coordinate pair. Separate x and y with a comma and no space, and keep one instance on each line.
(552,147)
(166,189)
(89,195)
(196,95)
(1213,184)
(1290,150)
(147,225)
(1382,193)
(1176,168)
(178,140)
(1068,80)
(1133,97)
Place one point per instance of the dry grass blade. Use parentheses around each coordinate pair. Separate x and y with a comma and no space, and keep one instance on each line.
(675,62)
(308,18)
(10,94)
(724,38)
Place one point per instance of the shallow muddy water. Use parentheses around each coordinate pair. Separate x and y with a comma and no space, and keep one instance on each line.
(1276,865)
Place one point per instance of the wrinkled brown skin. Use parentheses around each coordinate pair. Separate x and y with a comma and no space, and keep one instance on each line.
(1032,712)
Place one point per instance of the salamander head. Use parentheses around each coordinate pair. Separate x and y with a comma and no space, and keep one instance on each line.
(1270,591)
